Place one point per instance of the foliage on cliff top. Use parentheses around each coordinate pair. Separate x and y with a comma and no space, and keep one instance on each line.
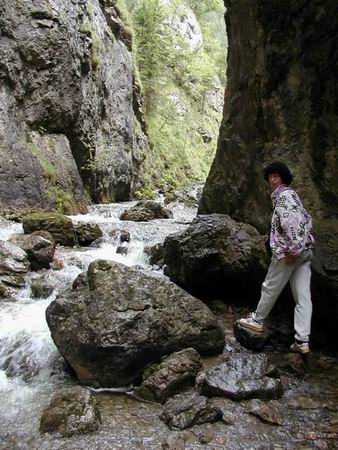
(179,83)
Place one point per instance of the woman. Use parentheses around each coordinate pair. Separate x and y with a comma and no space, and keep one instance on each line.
(291,244)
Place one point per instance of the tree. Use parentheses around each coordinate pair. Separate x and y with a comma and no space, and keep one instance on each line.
(153,46)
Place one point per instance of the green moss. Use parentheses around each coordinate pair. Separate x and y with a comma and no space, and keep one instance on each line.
(125,14)
(178,154)
(150,370)
(64,201)
(48,168)
(96,50)
(46,216)
(146,193)
(87,28)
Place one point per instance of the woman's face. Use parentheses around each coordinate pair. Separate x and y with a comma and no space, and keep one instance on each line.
(275,181)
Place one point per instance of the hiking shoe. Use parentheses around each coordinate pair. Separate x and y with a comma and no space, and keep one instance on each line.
(300,347)
(251,324)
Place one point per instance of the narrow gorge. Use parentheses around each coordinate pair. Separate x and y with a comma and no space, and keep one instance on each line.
(134,217)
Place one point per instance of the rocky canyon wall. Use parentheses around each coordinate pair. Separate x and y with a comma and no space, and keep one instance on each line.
(281,102)
(68,105)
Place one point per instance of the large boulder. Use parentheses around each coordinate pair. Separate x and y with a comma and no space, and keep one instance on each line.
(60,226)
(242,376)
(146,210)
(14,265)
(72,411)
(279,105)
(39,249)
(175,373)
(116,320)
(217,255)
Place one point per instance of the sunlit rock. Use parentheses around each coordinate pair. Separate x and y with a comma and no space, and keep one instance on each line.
(185,25)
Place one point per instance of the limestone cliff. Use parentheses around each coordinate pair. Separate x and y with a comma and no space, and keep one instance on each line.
(68,105)
(281,102)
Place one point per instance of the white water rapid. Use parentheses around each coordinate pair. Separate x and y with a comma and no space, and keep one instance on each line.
(30,365)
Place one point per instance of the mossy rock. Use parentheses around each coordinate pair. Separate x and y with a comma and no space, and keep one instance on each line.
(60,226)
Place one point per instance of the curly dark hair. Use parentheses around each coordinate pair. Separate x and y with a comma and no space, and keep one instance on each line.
(281,169)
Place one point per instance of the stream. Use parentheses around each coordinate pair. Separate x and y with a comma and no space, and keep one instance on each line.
(31,368)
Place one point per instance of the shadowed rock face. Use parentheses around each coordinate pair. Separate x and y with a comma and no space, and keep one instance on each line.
(67,115)
(281,103)
(217,256)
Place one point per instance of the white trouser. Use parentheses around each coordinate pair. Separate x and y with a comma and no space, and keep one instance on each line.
(299,275)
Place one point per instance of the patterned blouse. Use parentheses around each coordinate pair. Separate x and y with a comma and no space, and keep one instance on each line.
(291,224)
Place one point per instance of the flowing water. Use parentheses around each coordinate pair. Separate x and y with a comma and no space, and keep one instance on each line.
(31,368)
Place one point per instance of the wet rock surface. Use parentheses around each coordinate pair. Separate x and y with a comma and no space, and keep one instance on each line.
(155,254)
(268,412)
(60,226)
(87,233)
(146,210)
(186,410)
(41,287)
(71,411)
(117,320)
(214,255)
(124,236)
(14,265)
(241,376)
(40,250)
(122,250)
(172,375)
(129,423)
(308,406)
